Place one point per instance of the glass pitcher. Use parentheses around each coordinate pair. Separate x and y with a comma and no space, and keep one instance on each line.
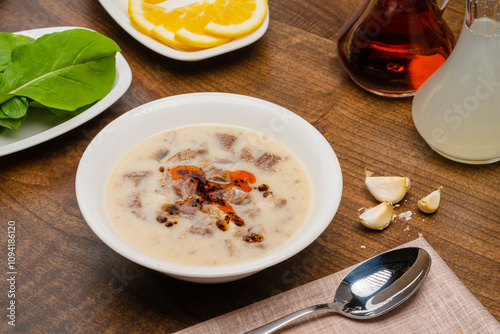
(457,111)
(390,47)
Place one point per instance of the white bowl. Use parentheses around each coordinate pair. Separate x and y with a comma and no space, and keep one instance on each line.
(116,139)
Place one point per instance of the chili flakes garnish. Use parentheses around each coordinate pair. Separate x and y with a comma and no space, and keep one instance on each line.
(263,187)
(253,237)
(161,219)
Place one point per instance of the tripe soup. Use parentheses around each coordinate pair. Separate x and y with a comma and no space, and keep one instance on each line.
(209,195)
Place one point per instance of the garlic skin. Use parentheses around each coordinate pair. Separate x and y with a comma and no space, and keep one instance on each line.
(430,203)
(387,188)
(378,217)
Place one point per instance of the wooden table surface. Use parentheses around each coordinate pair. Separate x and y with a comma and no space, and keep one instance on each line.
(69,281)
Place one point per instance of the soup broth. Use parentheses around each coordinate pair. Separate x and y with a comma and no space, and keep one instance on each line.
(209,195)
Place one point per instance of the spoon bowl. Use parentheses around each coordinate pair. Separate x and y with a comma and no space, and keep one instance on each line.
(373,288)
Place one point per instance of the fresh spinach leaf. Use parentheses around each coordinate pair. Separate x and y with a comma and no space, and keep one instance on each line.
(8,42)
(64,113)
(5,97)
(2,115)
(11,123)
(16,107)
(64,70)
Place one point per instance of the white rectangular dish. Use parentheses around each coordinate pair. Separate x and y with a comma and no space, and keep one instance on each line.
(118,10)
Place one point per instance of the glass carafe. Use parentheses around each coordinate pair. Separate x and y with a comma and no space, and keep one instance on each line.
(390,47)
(457,111)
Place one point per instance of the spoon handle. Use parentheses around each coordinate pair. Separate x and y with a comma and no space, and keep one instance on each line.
(274,325)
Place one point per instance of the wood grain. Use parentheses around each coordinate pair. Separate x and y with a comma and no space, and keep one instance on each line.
(70,282)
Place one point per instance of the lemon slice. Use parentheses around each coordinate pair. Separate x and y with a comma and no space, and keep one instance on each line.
(193,33)
(237,18)
(197,39)
(203,24)
(168,38)
(143,6)
(145,16)
(174,20)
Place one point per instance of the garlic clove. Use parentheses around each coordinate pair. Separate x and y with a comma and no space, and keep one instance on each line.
(430,203)
(378,217)
(387,188)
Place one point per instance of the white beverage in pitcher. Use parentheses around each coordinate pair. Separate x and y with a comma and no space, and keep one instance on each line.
(457,110)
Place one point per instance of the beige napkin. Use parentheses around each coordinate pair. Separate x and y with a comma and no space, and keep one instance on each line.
(441,305)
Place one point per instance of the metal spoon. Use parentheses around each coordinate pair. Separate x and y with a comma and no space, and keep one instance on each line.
(371,289)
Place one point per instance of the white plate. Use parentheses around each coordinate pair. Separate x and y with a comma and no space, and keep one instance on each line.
(43,125)
(118,9)
(133,127)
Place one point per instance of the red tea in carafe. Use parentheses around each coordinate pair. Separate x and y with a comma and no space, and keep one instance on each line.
(390,47)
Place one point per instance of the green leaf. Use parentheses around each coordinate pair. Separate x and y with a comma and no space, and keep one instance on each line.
(11,123)
(64,70)
(16,107)
(64,113)
(5,97)
(2,115)
(8,42)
